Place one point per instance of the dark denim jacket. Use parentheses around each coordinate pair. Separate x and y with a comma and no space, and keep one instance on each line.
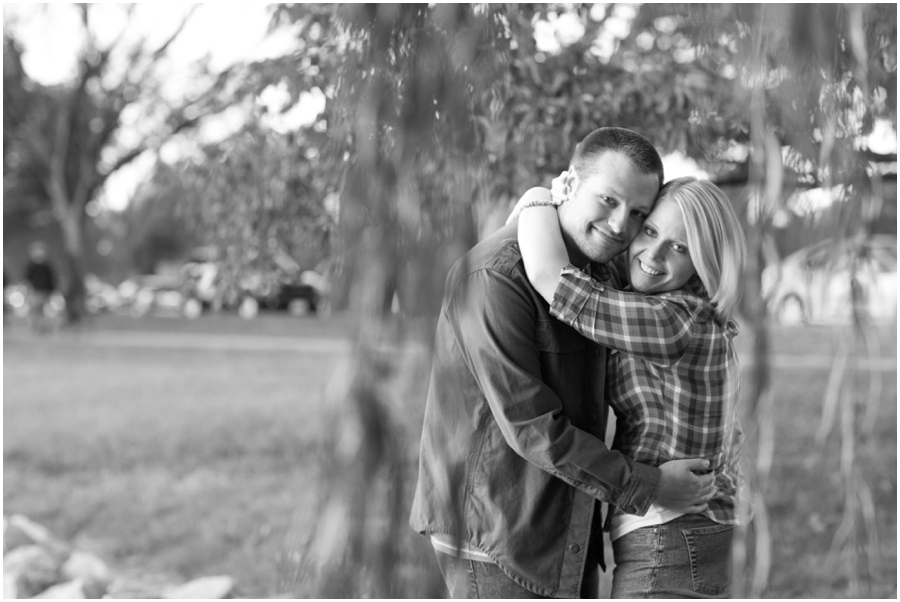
(512,456)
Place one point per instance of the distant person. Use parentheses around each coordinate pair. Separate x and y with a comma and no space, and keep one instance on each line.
(41,279)
(5,284)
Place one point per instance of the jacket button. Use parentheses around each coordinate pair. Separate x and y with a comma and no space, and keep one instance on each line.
(575,548)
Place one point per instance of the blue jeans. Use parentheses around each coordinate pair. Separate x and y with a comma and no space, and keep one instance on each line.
(473,579)
(689,557)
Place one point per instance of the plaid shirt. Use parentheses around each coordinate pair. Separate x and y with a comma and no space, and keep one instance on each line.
(673,376)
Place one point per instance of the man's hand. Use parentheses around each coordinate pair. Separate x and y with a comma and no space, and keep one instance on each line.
(681,490)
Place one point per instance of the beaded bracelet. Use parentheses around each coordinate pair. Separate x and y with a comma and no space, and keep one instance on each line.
(552,202)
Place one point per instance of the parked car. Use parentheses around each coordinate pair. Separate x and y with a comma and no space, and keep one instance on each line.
(152,294)
(100,296)
(814,284)
(298,293)
(297,298)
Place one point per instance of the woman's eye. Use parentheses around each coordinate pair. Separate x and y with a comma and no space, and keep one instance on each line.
(649,231)
(608,200)
(679,248)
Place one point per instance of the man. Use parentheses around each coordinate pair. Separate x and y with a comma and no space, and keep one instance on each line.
(42,280)
(512,460)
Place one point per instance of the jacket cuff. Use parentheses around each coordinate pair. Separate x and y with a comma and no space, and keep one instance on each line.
(641,489)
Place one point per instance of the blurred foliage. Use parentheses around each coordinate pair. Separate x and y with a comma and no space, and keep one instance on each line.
(255,197)
(155,231)
(22,188)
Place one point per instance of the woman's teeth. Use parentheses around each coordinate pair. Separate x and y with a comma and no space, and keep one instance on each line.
(648,270)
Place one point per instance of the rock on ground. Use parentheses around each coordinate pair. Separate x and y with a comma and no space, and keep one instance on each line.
(132,589)
(20,531)
(70,590)
(38,564)
(209,588)
(90,571)
(10,589)
(33,567)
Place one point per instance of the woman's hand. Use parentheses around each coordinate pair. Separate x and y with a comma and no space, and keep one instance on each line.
(559,190)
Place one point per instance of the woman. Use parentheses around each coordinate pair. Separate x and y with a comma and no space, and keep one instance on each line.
(673,370)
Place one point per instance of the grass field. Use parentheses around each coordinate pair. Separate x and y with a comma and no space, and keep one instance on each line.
(182,462)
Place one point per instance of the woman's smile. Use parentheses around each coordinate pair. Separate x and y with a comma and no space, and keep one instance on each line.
(648,270)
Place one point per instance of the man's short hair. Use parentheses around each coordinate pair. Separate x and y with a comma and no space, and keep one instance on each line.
(635,147)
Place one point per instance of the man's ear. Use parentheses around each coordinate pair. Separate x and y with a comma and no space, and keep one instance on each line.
(571,183)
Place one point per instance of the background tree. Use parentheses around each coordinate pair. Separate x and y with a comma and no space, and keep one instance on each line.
(63,142)
(259,196)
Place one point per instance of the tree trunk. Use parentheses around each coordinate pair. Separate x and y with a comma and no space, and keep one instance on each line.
(395,243)
(752,546)
(73,242)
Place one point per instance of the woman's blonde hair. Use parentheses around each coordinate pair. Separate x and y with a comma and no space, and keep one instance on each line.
(715,239)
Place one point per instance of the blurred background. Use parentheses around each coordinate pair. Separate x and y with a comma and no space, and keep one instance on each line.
(226,229)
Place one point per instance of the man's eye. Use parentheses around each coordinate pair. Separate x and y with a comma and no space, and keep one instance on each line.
(639,216)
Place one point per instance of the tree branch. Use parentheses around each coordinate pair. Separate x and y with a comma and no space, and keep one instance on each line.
(129,14)
(165,45)
(142,148)
(68,115)
(119,164)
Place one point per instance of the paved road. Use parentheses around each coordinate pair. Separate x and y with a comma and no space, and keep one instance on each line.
(258,343)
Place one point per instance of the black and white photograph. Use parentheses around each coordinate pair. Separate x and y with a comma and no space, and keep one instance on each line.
(438,300)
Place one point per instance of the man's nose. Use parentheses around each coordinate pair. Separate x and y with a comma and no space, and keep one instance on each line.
(618,219)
